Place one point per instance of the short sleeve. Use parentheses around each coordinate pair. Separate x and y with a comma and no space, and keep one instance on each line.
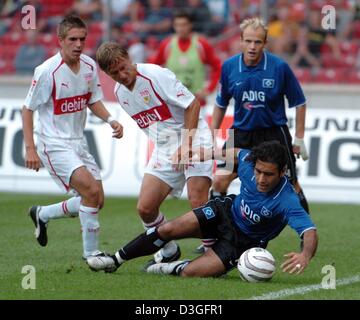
(40,89)
(223,96)
(292,89)
(172,90)
(244,166)
(298,218)
(96,90)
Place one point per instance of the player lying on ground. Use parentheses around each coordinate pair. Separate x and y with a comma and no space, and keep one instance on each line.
(266,203)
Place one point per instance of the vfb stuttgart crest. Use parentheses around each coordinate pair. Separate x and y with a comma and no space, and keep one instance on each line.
(145,95)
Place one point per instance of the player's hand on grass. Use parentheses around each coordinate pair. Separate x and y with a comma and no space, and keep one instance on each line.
(32,160)
(118,129)
(295,263)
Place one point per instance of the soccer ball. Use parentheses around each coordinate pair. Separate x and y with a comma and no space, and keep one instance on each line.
(256,265)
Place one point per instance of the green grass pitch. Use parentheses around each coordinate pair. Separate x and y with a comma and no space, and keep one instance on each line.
(62,274)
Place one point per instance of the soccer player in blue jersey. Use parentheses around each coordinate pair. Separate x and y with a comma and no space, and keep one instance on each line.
(266,203)
(258,81)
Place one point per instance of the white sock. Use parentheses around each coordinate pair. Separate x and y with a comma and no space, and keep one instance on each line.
(170,248)
(118,258)
(72,206)
(158,221)
(208,243)
(90,230)
(64,209)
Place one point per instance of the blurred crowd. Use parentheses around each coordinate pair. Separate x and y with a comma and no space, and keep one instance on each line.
(296,32)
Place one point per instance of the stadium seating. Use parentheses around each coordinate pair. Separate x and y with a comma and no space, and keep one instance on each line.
(353,77)
(303,74)
(331,75)
(334,69)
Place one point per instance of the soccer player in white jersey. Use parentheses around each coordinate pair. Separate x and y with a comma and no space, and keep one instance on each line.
(62,89)
(169,113)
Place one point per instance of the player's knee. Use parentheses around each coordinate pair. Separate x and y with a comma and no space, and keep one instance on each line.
(197,200)
(167,230)
(221,183)
(94,193)
(193,270)
(146,213)
(189,271)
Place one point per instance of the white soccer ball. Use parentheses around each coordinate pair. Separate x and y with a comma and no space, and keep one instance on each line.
(256,265)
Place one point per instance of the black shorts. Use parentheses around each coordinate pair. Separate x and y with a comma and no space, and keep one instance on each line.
(215,219)
(250,139)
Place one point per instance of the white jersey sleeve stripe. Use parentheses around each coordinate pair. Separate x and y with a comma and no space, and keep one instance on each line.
(91,67)
(53,93)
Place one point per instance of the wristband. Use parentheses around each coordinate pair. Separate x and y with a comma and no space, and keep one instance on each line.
(110,119)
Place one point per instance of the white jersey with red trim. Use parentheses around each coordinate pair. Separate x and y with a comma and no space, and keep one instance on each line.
(62,97)
(157,102)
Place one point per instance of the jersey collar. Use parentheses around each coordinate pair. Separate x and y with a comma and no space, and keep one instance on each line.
(262,65)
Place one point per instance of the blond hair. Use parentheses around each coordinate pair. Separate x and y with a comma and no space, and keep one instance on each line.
(108,54)
(254,23)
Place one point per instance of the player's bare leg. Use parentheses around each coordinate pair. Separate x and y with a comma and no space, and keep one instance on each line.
(221,182)
(206,265)
(152,193)
(198,190)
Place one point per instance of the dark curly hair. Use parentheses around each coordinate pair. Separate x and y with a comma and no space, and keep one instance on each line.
(269,151)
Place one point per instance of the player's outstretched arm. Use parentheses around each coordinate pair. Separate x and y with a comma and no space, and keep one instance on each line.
(297,262)
(217,118)
(32,160)
(101,112)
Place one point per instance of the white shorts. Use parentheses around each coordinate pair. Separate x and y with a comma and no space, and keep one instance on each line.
(176,179)
(161,167)
(61,157)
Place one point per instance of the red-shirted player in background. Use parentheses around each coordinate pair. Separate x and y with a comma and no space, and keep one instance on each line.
(187,54)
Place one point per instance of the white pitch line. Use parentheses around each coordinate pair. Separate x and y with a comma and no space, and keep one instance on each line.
(302,290)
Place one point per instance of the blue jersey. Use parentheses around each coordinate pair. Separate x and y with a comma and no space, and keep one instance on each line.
(262,216)
(259,91)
